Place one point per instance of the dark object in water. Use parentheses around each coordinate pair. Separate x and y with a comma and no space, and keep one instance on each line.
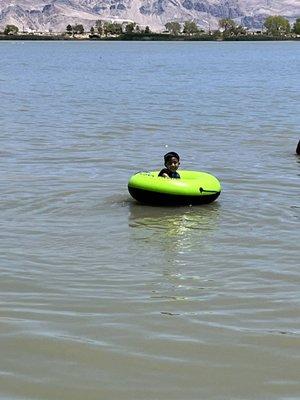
(298,148)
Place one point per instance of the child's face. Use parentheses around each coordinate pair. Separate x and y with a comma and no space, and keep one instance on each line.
(172,164)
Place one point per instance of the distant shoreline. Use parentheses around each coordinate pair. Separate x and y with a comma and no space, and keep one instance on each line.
(149,37)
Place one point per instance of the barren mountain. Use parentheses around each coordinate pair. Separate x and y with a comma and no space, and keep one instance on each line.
(55,15)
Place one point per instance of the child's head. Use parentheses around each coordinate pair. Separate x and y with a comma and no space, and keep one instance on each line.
(172,161)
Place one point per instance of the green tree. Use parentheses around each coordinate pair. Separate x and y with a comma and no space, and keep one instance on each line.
(173,27)
(11,29)
(240,30)
(78,29)
(190,28)
(216,34)
(296,27)
(227,24)
(105,28)
(230,28)
(277,25)
(69,29)
(112,28)
(129,28)
(92,30)
(147,29)
(99,27)
(116,29)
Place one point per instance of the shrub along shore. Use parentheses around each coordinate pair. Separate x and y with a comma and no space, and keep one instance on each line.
(274,28)
(147,37)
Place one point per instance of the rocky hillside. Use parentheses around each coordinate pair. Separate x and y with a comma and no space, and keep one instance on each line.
(55,15)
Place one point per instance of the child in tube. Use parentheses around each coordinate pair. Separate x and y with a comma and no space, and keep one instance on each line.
(172,162)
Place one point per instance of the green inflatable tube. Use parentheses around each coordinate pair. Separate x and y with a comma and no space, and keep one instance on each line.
(192,188)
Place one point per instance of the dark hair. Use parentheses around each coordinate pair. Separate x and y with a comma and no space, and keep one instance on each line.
(298,148)
(170,155)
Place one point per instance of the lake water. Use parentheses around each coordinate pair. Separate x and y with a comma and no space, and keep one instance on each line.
(103,298)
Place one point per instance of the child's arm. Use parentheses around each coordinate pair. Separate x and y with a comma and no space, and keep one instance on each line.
(163,173)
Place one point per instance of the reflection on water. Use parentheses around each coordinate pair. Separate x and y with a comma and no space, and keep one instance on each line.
(177,237)
(178,229)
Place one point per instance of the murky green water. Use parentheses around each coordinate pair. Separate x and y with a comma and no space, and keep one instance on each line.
(102,298)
